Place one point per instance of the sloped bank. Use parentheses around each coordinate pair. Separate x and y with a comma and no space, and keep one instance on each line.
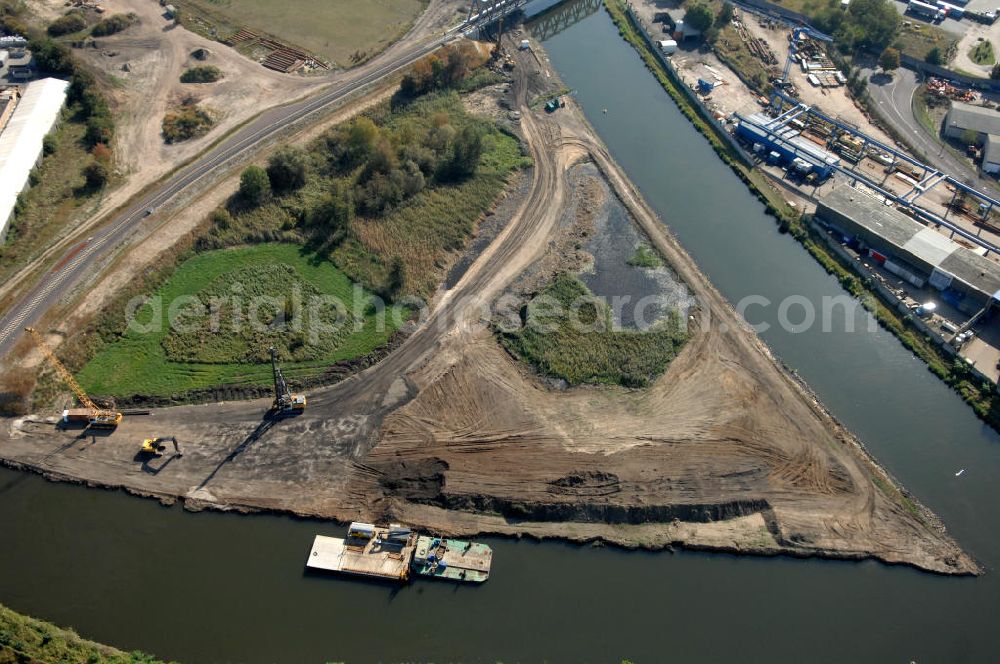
(983,399)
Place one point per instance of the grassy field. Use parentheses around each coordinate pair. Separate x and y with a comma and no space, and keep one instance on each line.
(423,233)
(138,363)
(342,31)
(569,335)
(735,53)
(25,640)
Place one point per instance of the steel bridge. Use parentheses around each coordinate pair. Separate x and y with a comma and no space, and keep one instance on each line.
(558,17)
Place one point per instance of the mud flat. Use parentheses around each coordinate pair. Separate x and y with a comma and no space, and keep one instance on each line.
(726,450)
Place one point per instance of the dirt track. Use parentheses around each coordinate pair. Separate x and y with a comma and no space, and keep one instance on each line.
(725,451)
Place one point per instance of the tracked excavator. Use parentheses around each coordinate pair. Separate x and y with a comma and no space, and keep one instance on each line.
(156,446)
(285,403)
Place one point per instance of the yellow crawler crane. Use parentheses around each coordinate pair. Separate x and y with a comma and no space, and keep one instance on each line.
(99,418)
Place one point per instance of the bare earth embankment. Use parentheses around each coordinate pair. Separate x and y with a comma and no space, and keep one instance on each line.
(726,450)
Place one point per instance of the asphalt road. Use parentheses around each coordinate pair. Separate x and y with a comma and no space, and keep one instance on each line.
(894,96)
(81,257)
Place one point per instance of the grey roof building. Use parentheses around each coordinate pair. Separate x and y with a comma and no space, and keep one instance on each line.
(911,250)
(964,117)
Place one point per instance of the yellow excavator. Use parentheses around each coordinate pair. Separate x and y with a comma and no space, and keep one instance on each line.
(98,418)
(156,446)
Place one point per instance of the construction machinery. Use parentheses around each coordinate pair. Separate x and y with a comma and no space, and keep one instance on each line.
(285,403)
(156,446)
(94,416)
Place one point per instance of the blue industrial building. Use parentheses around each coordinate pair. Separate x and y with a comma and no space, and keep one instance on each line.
(785,145)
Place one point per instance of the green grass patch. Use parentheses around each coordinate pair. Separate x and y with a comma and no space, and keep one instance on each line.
(288,310)
(28,640)
(917,39)
(736,54)
(568,334)
(982,53)
(644,256)
(164,361)
(345,32)
(922,111)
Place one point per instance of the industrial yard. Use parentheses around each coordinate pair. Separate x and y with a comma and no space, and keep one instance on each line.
(832,142)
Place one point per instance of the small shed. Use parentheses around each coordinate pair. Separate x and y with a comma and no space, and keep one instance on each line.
(668,46)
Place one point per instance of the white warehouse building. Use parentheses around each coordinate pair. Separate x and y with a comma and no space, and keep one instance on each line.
(21,141)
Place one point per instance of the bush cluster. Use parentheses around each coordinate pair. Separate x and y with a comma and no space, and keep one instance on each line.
(114,24)
(201,74)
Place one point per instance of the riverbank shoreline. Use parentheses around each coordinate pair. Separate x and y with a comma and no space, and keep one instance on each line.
(985,403)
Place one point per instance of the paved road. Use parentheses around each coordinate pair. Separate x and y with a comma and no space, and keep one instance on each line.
(894,97)
(78,259)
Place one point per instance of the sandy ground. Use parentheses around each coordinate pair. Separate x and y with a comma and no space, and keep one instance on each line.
(973,33)
(725,451)
(143,65)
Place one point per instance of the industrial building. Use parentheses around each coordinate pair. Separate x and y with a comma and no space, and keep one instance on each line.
(964,117)
(777,142)
(918,254)
(991,155)
(675,26)
(21,140)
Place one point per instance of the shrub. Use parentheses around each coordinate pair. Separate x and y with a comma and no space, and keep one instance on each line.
(255,187)
(201,74)
(287,169)
(934,57)
(699,17)
(96,174)
(189,121)
(114,24)
(889,60)
(443,69)
(72,21)
(49,144)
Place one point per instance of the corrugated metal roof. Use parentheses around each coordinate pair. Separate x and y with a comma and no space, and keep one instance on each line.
(21,140)
(930,246)
(898,229)
(979,119)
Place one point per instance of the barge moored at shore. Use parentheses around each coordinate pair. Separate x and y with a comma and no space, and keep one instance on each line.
(394,552)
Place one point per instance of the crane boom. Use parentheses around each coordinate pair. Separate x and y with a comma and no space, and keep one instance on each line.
(98,416)
(60,369)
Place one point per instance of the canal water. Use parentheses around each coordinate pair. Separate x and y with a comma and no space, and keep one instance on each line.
(221,588)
